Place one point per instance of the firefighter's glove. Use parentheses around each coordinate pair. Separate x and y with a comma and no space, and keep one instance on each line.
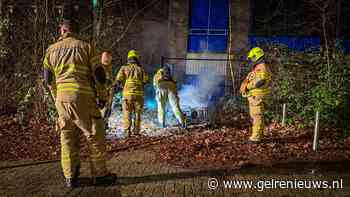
(260,83)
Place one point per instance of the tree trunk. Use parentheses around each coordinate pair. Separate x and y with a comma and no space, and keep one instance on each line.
(324,21)
(339,24)
(0,7)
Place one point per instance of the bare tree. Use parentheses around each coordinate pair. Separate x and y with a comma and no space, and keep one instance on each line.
(322,13)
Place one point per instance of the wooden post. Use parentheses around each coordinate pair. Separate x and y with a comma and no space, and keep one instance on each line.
(316,132)
(284,115)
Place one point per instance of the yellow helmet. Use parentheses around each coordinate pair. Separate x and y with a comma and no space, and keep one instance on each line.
(255,54)
(133,53)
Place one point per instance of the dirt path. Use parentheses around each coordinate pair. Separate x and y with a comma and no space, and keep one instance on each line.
(141,175)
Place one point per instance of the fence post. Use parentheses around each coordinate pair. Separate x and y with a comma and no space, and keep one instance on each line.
(316,132)
(284,111)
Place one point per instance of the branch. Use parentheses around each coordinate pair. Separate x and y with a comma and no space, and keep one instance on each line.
(132,20)
(86,28)
(108,4)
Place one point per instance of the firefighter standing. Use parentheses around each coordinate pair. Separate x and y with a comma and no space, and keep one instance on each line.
(165,87)
(134,78)
(71,63)
(106,60)
(256,88)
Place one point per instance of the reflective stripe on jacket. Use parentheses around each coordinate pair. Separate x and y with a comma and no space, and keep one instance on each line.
(260,72)
(134,78)
(72,61)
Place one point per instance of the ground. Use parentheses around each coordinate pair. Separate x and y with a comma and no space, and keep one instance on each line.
(179,163)
(141,174)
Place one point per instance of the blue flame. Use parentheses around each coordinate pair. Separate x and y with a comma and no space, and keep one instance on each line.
(151,103)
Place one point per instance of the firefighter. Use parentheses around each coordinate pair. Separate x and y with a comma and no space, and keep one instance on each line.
(134,77)
(165,87)
(38,90)
(106,60)
(72,63)
(256,87)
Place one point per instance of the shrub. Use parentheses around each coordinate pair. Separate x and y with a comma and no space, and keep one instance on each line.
(307,84)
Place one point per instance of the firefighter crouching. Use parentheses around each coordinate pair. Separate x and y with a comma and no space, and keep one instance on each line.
(165,87)
(70,63)
(134,77)
(256,87)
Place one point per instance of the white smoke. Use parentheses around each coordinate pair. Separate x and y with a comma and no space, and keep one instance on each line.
(199,94)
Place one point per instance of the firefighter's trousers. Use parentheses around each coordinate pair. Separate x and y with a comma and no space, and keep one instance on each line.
(256,110)
(107,110)
(75,117)
(162,96)
(132,110)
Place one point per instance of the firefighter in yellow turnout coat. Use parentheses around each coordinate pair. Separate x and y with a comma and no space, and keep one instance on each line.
(106,60)
(134,78)
(165,87)
(256,87)
(72,64)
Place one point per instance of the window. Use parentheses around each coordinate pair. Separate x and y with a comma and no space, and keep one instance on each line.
(208,26)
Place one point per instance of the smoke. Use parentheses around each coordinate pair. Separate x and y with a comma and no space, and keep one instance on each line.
(202,89)
(152,40)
